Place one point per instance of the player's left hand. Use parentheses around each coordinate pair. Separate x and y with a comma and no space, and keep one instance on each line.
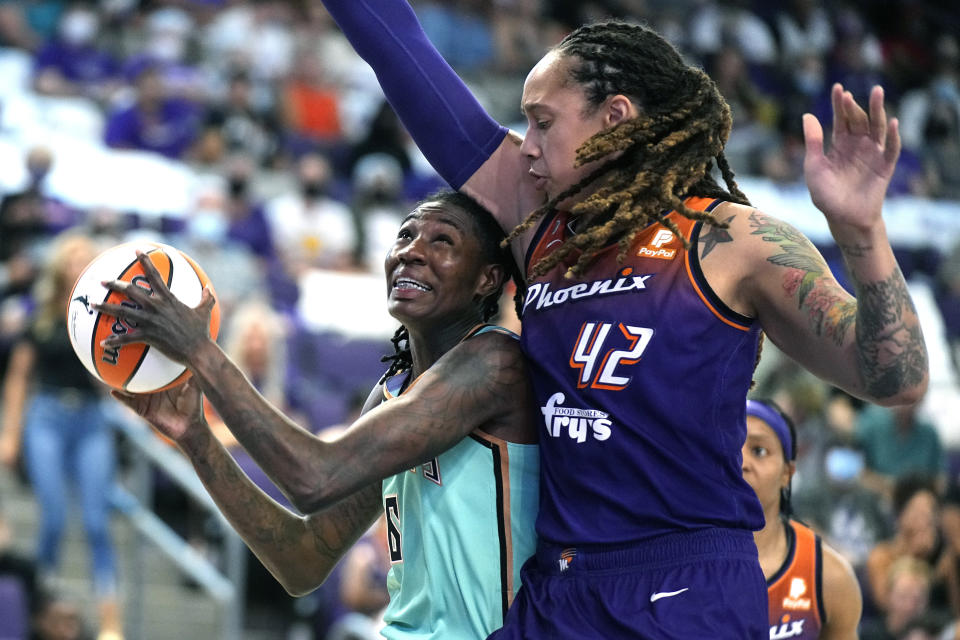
(849,182)
(160,319)
(175,412)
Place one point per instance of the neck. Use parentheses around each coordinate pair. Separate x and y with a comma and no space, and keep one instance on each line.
(428,344)
(771,544)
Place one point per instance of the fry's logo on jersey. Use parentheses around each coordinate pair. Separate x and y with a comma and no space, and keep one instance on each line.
(576,423)
(541,294)
(798,587)
(655,248)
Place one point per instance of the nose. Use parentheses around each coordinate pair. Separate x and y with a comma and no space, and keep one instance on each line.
(529,146)
(412,251)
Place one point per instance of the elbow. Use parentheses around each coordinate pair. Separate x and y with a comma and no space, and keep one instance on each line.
(908,393)
(312,499)
(300,586)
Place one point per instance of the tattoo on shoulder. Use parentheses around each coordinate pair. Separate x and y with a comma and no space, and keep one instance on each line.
(714,235)
(830,311)
(889,339)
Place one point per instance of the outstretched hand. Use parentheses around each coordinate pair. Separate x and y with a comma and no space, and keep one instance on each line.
(849,182)
(159,318)
(174,412)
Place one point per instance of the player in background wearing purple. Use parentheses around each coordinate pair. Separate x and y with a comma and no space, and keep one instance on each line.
(649,285)
(812,590)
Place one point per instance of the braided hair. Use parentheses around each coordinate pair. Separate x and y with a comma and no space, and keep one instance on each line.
(493,250)
(666,153)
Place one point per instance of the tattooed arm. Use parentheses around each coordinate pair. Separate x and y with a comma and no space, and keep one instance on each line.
(871,346)
(480,383)
(299,551)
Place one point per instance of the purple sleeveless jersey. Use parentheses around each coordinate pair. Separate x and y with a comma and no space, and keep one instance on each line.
(641,374)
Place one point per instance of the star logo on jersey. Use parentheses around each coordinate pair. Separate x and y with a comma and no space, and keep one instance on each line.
(795,599)
(656,249)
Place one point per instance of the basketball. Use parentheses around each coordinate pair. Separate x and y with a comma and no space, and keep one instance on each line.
(135,368)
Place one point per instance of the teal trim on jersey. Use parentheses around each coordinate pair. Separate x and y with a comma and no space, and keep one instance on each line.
(466,525)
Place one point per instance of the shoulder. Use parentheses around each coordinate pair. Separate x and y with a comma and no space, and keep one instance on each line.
(493,350)
(841,591)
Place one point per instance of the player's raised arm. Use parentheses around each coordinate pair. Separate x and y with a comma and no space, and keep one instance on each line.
(299,551)
(441,114)
(872,345)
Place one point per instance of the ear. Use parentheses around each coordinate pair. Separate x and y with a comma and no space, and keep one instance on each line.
(788,470)
(619,108)
(490,278)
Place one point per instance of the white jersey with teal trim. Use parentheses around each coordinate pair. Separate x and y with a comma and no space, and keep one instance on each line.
(459,529)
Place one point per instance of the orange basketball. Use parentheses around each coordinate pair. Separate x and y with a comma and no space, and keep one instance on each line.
(136,368)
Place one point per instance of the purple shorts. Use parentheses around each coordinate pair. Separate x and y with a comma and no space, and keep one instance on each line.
(702,584)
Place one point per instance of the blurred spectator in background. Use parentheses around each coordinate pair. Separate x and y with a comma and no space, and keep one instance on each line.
(948,566)
(58,617)
(310,229)
(154,122)
(231,266)
(906,586)
(165,46)
(378,207)
(461,32)
(25,24)
(248,220)
(754,113)
(896,441)
(237,126)
(522,34)
(28,219)
(54,408)
(948,300)
(19,567)
(363,586)
(714,25)
(916,536)
(73,63)
(857,60)
(803,29)
(311,103)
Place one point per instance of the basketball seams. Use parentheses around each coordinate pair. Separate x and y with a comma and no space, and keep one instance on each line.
(138,368)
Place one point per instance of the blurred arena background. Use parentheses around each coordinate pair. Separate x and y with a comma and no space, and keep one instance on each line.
(248,134)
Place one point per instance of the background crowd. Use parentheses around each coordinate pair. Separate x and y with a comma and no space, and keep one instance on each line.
(249,134)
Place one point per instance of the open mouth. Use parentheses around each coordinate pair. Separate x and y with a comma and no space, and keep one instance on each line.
(407,284)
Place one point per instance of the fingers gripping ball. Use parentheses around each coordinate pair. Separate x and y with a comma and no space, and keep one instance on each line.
(136,368)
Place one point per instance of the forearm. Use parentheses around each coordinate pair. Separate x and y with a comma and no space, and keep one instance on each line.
(890,350)
(437,109)
(300,552)
(296,460)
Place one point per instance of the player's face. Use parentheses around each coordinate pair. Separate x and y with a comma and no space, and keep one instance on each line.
(435,271)
(764,466)
(558,122)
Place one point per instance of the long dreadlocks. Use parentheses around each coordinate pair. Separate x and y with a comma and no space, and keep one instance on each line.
(665,154)
(491,238)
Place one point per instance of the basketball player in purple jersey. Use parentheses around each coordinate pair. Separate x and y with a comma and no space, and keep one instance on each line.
(649,287)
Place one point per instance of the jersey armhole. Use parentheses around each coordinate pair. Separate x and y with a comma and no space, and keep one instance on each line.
(707,294)
(818,573)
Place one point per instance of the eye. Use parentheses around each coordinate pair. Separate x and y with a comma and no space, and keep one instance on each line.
(444,238)
(404,234)
(760,452)
(542,124)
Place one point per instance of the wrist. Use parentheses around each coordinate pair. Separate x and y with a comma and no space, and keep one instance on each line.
(859,241)
(196,439)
